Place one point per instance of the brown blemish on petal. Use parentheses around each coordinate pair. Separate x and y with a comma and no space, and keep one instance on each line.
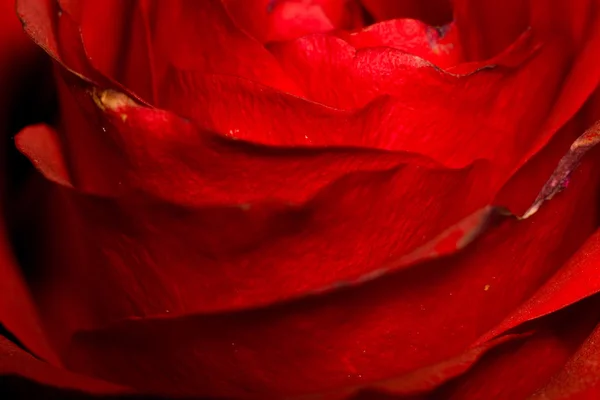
(112,100)
(559,179)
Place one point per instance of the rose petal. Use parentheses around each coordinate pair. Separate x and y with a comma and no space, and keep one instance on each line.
(179,93)
(432,12)
(559,179)
(272,20)
(56,33)
(440,129)
(371,72)
(575,280)
(519,368)
(116,39)
(440,46)
(580,377)
(17,56)
(583,77)
(486,30)
(17,309)
(424,379)
(180,38)
(15,361)
(45,151)
(246,385)
(292,19)
(303,327)
(344,181)
(39,22)
(339,334)
(437,131)
(172,152)
(420,380)
(576,27)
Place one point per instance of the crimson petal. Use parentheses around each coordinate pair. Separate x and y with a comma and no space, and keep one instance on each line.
(433,12)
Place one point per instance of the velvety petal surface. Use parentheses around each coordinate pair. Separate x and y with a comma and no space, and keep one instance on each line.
(578,379)
(275,20)
(140,278)
(184,87)
(518,369)
(15,361)
(438,45)
(178,35)
(18,57)
(487,29)
(433,12)
(362,245)
(115,35)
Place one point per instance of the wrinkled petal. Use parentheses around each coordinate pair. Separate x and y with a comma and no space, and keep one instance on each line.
(344,179)
(440,46)
(190,93)
(157,272)
(484,120)
(345,339)
(296,279)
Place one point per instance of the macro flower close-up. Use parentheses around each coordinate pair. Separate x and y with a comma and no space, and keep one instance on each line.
(300,199)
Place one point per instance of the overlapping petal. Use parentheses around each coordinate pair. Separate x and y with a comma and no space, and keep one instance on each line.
(263,234)
(17,310)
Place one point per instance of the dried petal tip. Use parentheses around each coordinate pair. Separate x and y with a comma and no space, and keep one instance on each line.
(111,99)
(559,179)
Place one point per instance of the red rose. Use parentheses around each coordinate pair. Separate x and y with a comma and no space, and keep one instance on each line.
(292,199)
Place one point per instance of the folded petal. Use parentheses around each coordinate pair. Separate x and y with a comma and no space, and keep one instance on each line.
(296,279)
(19,60)
(519,368)
(298,218)
(177,34)
(140,268)
(396,101)
(116,39)
(349,337)
(583,77)
(579,378)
